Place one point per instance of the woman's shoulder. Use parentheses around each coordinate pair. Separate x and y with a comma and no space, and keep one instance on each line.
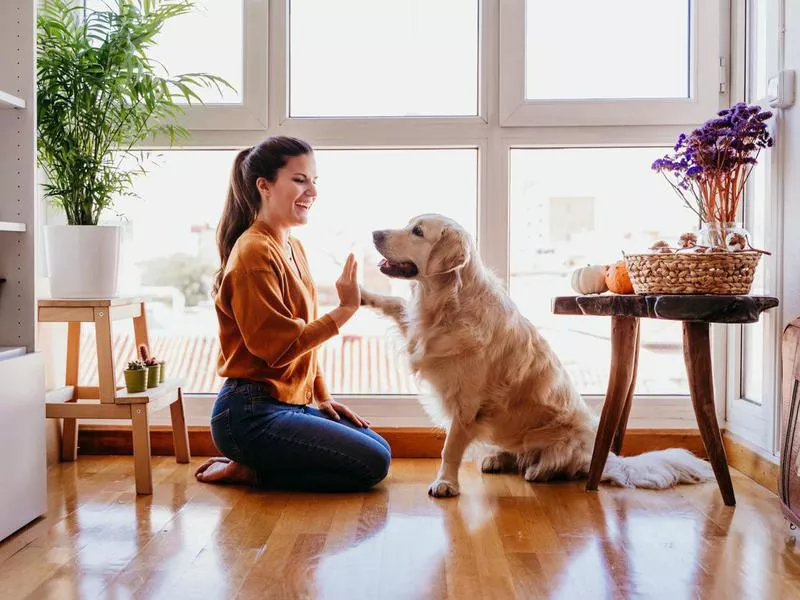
(253,251)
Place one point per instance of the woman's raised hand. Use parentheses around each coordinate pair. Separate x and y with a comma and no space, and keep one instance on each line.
(347,285)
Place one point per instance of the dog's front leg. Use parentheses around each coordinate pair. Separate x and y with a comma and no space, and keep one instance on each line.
(391,306)
(458,438)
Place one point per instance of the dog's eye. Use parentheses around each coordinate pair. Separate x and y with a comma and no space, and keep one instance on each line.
(417,231)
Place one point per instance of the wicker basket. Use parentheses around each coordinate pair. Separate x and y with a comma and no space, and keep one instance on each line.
(725,273)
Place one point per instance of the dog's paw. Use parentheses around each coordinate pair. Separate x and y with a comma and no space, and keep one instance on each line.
(441,488)
(535,474)
(498,463)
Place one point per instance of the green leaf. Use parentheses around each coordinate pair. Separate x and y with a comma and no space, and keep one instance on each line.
(99,94)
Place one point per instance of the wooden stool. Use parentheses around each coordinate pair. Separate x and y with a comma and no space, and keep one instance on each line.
(107,401)
(696,312)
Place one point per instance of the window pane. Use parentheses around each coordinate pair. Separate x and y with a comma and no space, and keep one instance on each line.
(575,207)
(613,49)
(390,58)
(755,221)
(210,39)
(169,253)
(169,257)
(364,190)
(762,19)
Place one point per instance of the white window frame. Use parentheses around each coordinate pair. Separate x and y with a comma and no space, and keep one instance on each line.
(706,60)
(493,138)
(759,424)
(338,127)
(251,112)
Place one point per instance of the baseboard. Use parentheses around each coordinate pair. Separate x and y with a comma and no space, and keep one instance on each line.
(751,461)
(423,442)
(405,442)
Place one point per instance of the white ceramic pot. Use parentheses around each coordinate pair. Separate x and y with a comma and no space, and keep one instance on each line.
(82,260)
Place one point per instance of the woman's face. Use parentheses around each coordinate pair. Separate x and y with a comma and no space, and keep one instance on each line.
(287,201)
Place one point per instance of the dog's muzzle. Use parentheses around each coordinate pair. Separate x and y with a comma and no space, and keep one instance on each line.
(403,269)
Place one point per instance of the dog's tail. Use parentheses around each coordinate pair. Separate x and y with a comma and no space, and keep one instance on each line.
(656,470)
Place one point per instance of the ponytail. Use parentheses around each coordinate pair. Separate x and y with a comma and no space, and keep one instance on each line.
(241,208)
(244,200)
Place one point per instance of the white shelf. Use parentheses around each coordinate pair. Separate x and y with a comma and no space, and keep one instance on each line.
(12,226)
(7,352)
(10,101)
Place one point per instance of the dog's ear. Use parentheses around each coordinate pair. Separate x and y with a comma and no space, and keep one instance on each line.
(450,253)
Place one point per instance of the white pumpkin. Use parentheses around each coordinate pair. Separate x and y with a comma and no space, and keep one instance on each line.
(590,279)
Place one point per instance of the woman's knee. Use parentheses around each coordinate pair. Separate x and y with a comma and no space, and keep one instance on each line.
(377,460)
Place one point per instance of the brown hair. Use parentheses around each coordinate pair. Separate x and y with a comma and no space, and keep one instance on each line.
(244,201)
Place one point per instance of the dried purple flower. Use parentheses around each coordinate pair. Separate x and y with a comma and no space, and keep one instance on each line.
(719,155)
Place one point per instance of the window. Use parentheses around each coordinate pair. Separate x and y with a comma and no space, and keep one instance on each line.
(757,211)
(215,45)
(573,207)
(361,191)
(760,18)
(504,115)
(391,58)
(207,39)
(559,65)
(562,61)
(225,38)
(170,255)
(754,349)
(753,335)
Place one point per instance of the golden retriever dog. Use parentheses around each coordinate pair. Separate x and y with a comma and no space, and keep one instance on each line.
(495,378)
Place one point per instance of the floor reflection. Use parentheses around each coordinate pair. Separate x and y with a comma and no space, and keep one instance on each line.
(503,538)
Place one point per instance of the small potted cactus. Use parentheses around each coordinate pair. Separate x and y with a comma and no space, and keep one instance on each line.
(152,365)
(136,377)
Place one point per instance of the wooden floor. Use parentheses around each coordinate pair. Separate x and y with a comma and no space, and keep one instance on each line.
(503,538)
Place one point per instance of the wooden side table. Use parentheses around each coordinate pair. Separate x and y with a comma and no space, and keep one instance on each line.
(696,312)
(107,401)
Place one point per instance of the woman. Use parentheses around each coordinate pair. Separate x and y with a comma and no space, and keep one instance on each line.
(269,332)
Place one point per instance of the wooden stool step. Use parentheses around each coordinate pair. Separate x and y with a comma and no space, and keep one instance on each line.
(106,400)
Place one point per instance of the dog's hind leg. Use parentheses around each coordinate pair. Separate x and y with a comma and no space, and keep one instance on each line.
(501,462)
(555,462)
(391,306)
(540,472)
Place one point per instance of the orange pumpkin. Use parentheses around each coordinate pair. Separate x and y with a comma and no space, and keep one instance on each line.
(617,278)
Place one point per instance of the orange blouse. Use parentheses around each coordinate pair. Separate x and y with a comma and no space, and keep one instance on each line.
(268,325)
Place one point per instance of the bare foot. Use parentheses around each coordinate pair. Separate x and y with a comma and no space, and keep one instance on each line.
(224,470)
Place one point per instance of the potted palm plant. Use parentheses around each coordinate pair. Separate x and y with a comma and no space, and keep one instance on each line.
(99,95)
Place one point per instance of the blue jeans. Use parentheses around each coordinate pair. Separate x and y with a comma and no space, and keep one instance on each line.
(295,447)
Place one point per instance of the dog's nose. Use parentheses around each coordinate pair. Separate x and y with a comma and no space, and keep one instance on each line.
(378,236)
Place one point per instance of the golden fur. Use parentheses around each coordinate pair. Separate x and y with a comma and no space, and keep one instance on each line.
(495,377)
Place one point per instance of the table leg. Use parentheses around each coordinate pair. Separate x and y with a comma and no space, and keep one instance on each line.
(142,468)
(69,431)
(616,445)
(624,332)
(104,339)
(180,435)
(697,354)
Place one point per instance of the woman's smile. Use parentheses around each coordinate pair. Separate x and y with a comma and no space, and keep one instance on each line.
(303,206)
